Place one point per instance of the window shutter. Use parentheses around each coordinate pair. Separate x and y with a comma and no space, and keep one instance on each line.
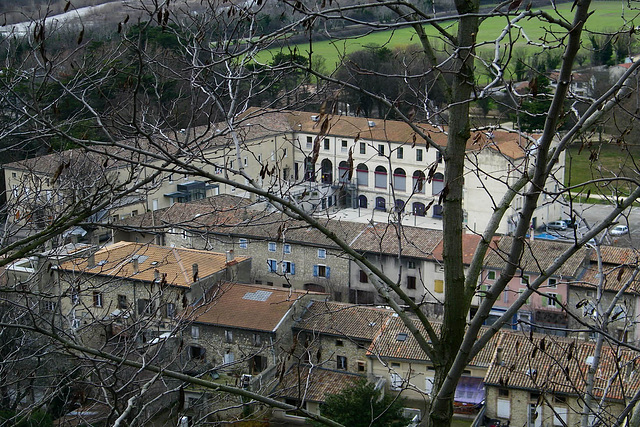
(438,286)
(559,298)
(293,268)
(328,269)
(315,270)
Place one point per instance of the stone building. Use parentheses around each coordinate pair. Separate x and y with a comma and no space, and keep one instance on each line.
(591,296)
(130,287)
(537,380)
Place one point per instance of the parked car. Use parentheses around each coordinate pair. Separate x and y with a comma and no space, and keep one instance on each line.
(619,230)
(557,225)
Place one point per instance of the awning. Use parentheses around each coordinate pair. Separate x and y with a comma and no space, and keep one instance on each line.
(470,390)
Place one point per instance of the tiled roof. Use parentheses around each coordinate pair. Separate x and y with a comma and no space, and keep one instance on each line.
(175,263)
(560,365)
(314,385)
(352,321)
(537,256)
(243,306)
(385,238)
(509,144)
(469,245)
(614,278)
(616,255)
(396,342)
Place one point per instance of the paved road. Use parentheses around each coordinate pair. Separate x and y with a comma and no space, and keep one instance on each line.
(594,214)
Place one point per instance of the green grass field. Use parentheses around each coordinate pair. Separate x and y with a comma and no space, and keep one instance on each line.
(606,15)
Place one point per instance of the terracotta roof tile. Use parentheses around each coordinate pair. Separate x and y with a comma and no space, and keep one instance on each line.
(384,238)
(301,382)
(615,277)
(537,256)
(469,245)
(244,306)
(616,255)
(176,263)
(353,321)
(560,365)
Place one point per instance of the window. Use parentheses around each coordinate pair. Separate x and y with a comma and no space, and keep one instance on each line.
(341,362)
(438,156)
(326,144)
(272,266)
(272,246)
(287,248)
(171,310)
(380,149)
(344,146)
(411,282)
(97,299)
(505,295)
(560,416)
(309,142)
(195,332)
(553,283)
(49,306)
(380,175)
(491,275)
(552,300)
(197,353)
(364,278)
(396,381)
(419,155)
(145,306)
(363,148)
(339,343)
(411,265)
(438,286)
(321,271)
(122,302)
(257,340)
(245,160)
(243,243)
(288,267)
(504,408)
(228,336)
(362,366)
(322,253)
(228,357)
(524,280)
(400,152)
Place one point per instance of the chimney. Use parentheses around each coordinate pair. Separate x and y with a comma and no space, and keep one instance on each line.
(230,255)
(136,267)
(194,269)
(156,275)
(499,356)
(91,261)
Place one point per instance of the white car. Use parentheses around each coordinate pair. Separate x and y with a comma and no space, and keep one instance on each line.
(557,225)
(619,230)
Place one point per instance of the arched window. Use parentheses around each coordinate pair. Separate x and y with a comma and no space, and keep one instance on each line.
(381,177)
(437,211)
(362,201)
(327,171)
(418,209)
(381,203)
(438,184)
(343,172)
(400,179)
(399,205)
(418,182)
(362,174)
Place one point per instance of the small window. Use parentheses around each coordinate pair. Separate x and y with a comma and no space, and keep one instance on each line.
(326,144)
(272,266)
(195,332)
(171,310)
(364,278)
(400,152)
(257,340)
(272,246)
(524,280)
(339,343)
(341,362)
(411,265)
(411,282)
(228,336)
(288,267)
(321,271)
(380,149)
(344,146)
(438,156)
(49,306)
(362,366)
(503,392)
(553,283)
(322,253)
(243,243)
(419,155)
(552,300)
(122,302)
(363,148)
(245,161)
(491,275)
(438,286)
(97,299)
(287,248)
(197,353)
(309,142)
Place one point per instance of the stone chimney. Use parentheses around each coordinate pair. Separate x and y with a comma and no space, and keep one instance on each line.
(194,269)
(136,266)
(499,356)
